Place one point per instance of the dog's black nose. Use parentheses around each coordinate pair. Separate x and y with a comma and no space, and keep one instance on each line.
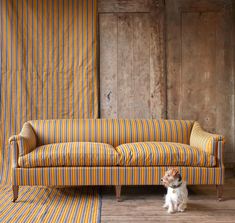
(161,179)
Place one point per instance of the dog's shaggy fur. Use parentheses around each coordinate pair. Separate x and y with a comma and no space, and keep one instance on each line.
(177,193)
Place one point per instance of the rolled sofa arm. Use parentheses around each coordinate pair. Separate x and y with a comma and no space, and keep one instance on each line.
(25,142)
(213,144)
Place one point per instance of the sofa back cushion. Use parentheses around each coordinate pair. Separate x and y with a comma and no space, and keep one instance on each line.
(111,131)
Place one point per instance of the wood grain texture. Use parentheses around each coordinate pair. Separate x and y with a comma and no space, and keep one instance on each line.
(158,95)
(124,6)
(200,81)
(133,50)
(233,50)
(144,204)
(108,65)
(125,96)
(141,65)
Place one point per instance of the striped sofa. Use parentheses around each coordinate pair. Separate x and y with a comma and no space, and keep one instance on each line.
(114,152)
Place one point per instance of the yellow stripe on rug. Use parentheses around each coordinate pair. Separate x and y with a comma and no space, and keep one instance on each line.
(42,204)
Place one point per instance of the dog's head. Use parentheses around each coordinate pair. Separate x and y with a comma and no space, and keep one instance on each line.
(172,177)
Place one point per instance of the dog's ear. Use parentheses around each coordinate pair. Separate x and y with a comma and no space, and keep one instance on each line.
(175,171)
(179,177)
(170,168)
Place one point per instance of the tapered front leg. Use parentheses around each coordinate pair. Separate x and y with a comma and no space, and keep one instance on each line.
(219,189)
(15,190)
(118,192)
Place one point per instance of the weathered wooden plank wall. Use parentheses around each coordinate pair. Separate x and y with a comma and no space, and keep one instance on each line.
(169,59)
(132,75)
(200,80)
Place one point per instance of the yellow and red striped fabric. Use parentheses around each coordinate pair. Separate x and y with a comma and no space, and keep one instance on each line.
(71,154)
(111,131)
(48,65)
(163,154)
(43,204)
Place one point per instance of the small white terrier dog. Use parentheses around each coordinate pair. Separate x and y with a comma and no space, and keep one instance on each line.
(177,193)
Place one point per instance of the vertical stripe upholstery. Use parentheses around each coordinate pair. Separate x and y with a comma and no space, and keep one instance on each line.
(113,175)
(116,132)
(163,153)
(71,154)
(206,141)
(48,65)
(111,131)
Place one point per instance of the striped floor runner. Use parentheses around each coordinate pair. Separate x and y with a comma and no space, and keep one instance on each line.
(41,204)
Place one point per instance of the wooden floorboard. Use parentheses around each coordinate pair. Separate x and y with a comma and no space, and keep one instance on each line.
(144,204)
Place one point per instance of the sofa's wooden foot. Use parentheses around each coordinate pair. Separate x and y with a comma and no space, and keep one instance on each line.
(219,189)
(15,190)
(118,192)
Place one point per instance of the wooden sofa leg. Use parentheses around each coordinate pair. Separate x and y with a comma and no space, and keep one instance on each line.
(219,189)
(118,192)
(15,190)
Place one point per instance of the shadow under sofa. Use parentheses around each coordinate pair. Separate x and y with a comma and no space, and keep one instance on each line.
(66,152)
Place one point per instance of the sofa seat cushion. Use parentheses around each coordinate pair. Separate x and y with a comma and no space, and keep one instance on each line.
(71,154)
(163,153)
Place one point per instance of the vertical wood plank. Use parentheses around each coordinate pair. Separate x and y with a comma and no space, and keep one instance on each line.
(125,66)
(198,59)
(108,65)
(141,71)
(157,64)
(225,83)
(199,66)
(132,54)
(173,58)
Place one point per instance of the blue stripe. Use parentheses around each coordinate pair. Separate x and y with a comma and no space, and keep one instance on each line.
(165,128)
(182,131)
(176,131)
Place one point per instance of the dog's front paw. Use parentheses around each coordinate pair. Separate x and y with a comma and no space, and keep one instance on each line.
(170,211)
(165,206)
(181,210)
